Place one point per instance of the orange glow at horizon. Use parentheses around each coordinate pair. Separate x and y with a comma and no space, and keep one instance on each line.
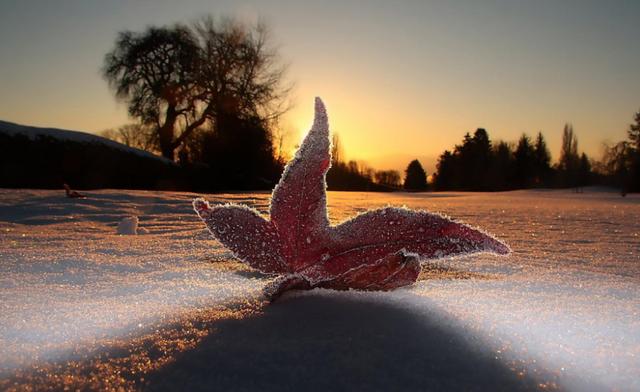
(400,81)
(387,132)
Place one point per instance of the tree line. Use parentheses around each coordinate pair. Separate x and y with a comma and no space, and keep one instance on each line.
(620,164)
(209,96)
(478,164)
(357,176)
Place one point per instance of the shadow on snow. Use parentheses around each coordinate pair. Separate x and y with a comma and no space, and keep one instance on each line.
(339,342)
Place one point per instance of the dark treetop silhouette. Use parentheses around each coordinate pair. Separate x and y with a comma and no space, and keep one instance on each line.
(376,250)
(179,79)
(416,177)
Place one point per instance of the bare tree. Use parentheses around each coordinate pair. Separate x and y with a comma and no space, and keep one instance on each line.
(634,131)
(389,178)
(241,74)
(134,135)
(336,149)
(180,78)
(569,151)
(155,72)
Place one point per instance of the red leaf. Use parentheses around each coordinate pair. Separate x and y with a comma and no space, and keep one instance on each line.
(249,236)
(299,202)
(393,271)
(374,234)
(377,250)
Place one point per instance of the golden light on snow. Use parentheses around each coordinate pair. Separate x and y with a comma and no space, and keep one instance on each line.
(84,307)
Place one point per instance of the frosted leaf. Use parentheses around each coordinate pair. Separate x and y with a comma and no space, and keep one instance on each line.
(228,223)
(299,203)
(388,273)
(370,236)
(377,250)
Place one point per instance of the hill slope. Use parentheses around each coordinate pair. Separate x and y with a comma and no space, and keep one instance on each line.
(32,157)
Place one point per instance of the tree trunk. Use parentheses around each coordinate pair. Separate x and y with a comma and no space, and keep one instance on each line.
(167,151)
(166,132)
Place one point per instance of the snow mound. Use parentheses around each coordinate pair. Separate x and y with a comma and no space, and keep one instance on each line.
(128,226)
(131,226)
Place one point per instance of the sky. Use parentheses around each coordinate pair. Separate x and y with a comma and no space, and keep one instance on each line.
(401,80)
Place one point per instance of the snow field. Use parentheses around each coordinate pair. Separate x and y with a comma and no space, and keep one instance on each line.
(563,310)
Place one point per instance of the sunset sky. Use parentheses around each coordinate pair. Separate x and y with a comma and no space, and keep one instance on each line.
(400,79)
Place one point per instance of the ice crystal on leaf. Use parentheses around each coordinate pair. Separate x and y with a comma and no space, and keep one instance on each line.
(377,250)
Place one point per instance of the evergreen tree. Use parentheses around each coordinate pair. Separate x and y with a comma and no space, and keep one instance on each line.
(415,177)
(524,161)
(476,164)
(444,178)
(471,161)
(479,161)
(584,171)
(462,162)
(501,169)
(542,161)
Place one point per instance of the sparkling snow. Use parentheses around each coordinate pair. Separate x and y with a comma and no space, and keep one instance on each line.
(84,307)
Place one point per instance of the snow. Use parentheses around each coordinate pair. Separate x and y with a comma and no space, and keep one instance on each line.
(82,306)
(128,225)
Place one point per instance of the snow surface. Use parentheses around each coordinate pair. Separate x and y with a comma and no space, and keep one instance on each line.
(84,307)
